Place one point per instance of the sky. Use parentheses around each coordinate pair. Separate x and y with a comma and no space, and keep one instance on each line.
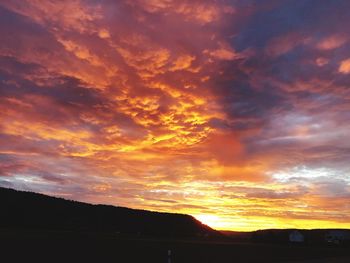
(234,111)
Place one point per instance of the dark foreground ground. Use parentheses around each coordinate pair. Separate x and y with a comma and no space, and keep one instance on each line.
(49,246)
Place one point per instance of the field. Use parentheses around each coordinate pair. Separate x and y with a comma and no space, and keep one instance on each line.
(48,246)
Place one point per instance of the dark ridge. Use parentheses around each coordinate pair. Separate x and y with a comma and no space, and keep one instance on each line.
(29,210)
(280,236)
(311,236)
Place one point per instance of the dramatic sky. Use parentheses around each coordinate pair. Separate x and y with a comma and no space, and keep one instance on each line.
(234,111)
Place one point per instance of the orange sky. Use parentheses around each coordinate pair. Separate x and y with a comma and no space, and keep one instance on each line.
(236,112)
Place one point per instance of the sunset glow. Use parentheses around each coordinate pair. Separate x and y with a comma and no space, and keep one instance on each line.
(236,112)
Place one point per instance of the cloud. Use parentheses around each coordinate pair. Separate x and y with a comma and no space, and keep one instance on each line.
(345,66)
(236,109)
(332,42)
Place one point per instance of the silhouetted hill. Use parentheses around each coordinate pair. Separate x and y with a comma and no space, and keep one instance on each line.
(36,211)
(280,236)
(39,228)
(311,236)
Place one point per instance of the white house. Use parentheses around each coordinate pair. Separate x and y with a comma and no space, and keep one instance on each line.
(296,236)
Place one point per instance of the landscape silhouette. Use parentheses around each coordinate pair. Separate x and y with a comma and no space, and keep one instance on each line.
(39,227)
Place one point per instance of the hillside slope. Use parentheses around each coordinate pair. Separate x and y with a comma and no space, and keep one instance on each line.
(36,211)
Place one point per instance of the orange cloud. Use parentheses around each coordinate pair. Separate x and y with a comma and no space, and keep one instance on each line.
(344,66)
(227,111)
(332,42)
